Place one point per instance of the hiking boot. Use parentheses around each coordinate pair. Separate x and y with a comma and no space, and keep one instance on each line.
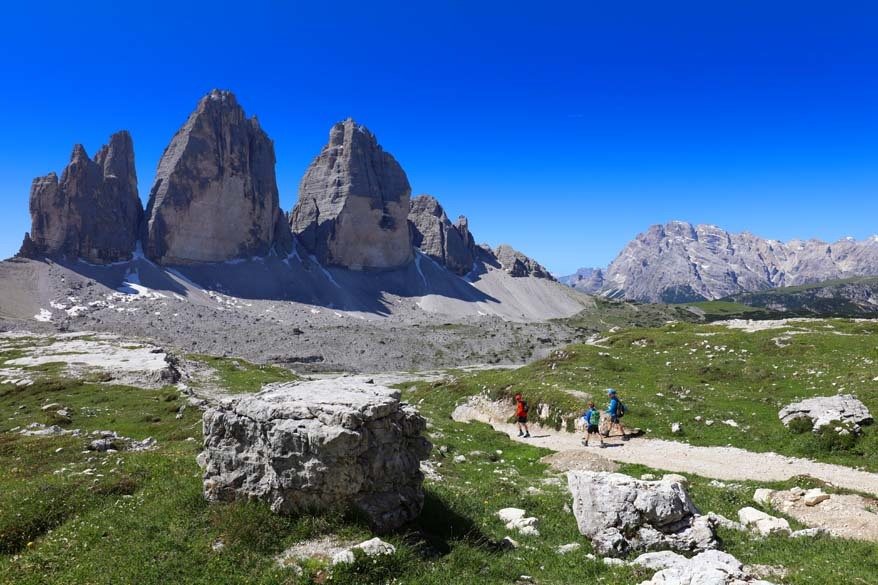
(584,443)
(527,435)
(625,437)
(520,434)
(602,445)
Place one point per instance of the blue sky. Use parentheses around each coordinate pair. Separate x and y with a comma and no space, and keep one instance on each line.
(561,128)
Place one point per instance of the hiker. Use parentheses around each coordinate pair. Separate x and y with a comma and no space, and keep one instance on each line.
(521,410)
(616,410)
(592,418)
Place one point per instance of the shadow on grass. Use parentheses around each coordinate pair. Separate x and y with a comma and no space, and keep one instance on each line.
(438,526)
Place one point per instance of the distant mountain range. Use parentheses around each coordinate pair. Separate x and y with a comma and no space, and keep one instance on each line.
(679,262)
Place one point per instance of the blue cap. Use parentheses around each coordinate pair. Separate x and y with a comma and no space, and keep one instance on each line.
(610,391)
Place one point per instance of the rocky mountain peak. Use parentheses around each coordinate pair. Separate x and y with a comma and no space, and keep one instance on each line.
(451,245)
(681,262)
(587,280)
(354,203)
(92,212)
(78,155)
(215,194)
(517,264)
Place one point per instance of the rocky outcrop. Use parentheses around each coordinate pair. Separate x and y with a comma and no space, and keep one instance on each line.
(517,264)
(587,280)
(353,203)
(215,195)
(710,567)
(681,262)
(621,514)
(822,410)
(322,445)
(92,212)
(451,245)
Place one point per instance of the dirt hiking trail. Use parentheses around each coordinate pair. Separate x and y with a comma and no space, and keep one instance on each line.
(724,463)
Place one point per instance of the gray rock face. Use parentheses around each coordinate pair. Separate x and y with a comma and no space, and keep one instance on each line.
(353,203)
(93,212)
(587,280)
(320,445)
(822,410)
(215,195)
(517,264)
(451,245)
(679,262)
(619,514)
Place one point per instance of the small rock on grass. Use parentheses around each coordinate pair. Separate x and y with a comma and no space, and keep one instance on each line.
(371,548)
(568,548)
(763,523)
(762,496)
(676,478)
(815,496)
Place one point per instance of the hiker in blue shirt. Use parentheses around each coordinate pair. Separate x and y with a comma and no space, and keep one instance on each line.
(616,410)
(592,418)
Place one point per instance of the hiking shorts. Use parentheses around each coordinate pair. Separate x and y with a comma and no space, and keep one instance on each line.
(522,420)
(614,420)
(592,429)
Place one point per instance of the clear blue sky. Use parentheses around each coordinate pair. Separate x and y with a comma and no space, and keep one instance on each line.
(562,128)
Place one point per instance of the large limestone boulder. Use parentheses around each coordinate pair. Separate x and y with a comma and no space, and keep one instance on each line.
(825,409)
(215,194)
(353,203)
(321,445)
(619,513)
(451,245)
(93,212)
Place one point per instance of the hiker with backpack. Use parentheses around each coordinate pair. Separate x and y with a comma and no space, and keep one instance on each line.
(616,410)
(592,418)
(521,410)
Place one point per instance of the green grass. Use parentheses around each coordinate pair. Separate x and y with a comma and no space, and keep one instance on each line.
(725,309)
(475,489)
(239,376)
(141,518)
(682,371)
(609,313)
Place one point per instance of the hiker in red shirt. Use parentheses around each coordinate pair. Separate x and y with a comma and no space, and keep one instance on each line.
(521,409)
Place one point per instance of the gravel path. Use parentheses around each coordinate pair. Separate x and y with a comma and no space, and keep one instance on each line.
(725,463)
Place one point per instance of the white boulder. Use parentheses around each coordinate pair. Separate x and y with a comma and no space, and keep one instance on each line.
(619,513)
(762,496)
(371,548)
(824,409)
(518,520)
(319,445)
(815,496)
(763,523)
(710,567)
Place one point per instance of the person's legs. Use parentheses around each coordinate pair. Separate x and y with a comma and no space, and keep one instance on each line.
(526,430)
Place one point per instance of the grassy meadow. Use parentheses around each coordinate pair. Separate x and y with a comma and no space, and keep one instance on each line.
(69,515)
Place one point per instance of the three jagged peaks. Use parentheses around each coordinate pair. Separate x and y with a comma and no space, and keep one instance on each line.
(215,198)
